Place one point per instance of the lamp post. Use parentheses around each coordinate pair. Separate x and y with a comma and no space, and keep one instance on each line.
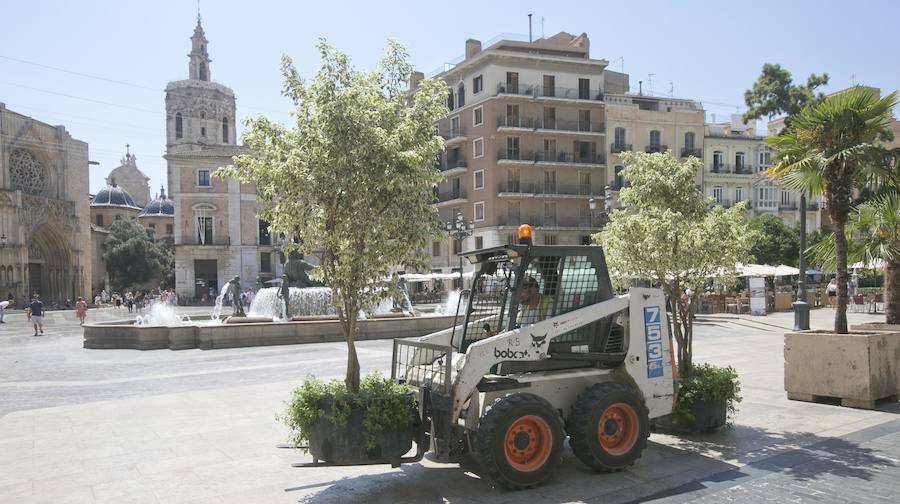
(801,307)
(607,206)
(459,230)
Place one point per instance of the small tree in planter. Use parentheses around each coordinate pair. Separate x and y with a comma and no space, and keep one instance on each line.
(671,234)
(353,183)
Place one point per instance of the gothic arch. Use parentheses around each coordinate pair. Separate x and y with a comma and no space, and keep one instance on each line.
(50,265)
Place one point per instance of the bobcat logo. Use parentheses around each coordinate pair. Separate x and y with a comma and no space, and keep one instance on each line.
(538,341)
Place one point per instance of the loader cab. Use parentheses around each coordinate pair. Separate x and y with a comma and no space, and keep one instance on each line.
(520,284)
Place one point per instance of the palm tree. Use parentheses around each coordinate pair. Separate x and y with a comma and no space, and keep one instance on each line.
(877,222)
(833,148)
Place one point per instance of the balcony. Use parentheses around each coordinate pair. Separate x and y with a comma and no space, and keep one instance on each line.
(569,93)
(450,195)
(521,89)
(548,189)
(656,148)
(812,206)
(787,205)
(451,165)
(571,125)
(697,153)
(743,169)
(544,221)
(568,157)
(720,168)
(457,132)
(515,155)
(508,121)
(615,148)
(722,203)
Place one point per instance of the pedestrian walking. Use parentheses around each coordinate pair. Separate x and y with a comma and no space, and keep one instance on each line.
(35,314)
(3,306)
(81,309)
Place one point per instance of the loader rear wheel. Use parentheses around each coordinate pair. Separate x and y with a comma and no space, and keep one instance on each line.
(520,441)
(609,427)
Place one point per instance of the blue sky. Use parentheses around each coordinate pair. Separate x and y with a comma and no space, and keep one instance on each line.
(710,50)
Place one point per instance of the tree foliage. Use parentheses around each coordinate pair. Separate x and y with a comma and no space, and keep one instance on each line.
(777,242)
(353,179)
(774,93)
(671,234)
(834,148)
(133,258)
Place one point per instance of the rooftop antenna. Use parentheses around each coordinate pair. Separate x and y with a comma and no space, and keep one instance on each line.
(127,149)
(529,28)
(542,26)
(641,87)
(853,79)
(650,82)
(622,63)
(671,89)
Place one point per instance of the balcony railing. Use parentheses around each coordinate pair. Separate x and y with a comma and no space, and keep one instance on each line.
(568,157)
(812,206)
(450,165)
(548,189)
(656,148)
(615,148)
(514,155)
(790,205)
(452,194)
(549,221)
(720,168)
(454,132)
(571,125)
(510,121)
(549,91)
(697,153)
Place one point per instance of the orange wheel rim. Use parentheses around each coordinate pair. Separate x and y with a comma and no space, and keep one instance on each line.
(617,429)
(528,443)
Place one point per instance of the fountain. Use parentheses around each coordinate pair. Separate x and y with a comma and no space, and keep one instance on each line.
(266,323)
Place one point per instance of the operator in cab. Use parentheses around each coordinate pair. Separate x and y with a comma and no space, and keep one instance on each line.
(533,306)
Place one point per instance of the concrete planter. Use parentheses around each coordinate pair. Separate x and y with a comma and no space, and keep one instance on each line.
(857,368)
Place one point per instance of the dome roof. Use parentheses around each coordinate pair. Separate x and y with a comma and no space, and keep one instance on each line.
(113,196)
(160,206)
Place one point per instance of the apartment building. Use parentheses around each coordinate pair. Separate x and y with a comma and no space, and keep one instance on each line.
(735,159)
(534,132)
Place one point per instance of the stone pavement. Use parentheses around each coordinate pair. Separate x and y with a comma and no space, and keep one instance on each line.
(122,426)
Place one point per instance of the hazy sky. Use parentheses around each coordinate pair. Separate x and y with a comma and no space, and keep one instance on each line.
(710,51)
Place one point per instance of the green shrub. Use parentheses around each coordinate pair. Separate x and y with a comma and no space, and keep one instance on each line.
(709,383)
(384,402)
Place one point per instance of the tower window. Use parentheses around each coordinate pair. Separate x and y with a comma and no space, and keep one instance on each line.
(179,126)
(202,71)
(224,130)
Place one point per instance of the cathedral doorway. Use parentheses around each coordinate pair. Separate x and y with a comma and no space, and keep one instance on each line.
(50,267)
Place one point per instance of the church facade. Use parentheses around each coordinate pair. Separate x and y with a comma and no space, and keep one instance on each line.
(216,231)
(45,236)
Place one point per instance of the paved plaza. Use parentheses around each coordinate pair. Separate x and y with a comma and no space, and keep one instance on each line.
(121,426)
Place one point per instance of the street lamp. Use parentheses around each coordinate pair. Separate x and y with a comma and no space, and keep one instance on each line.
(801,307)
(459,230)
(607,206)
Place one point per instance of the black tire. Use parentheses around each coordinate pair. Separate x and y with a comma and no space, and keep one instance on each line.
(614,400)
(533,456)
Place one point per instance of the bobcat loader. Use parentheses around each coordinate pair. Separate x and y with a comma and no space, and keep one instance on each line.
(545,350)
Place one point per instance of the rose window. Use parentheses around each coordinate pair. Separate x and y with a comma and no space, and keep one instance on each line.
(26,172)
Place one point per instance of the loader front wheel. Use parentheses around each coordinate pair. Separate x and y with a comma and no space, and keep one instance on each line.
(520,441)
(609,427)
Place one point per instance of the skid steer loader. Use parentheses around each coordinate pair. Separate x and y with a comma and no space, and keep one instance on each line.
(544,349)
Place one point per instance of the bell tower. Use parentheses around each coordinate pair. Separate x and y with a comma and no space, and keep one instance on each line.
(198,68)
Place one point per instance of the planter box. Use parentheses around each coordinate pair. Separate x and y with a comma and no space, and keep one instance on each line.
(857,368)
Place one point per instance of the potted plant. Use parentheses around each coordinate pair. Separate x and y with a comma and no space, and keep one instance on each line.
(707,398)
(352,185)
(674,237)
(377,423)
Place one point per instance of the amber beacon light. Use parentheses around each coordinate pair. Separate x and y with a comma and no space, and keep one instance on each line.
(525,234)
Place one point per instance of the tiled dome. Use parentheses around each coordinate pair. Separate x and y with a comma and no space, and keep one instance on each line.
(113,196)
(161,206)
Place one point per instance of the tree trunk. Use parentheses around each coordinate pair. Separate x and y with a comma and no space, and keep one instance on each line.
(892,291)
(352,379)
(840,251)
